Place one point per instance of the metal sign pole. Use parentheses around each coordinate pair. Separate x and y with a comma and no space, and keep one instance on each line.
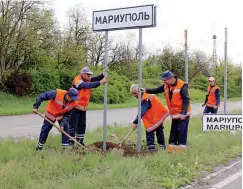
(105,92)
(139,89)
(186,58)
(131,17)
(225,71)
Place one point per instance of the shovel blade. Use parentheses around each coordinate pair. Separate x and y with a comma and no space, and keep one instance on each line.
(117,151)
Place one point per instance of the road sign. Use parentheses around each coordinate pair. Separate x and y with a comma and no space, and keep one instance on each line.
(124,18)
(222,122)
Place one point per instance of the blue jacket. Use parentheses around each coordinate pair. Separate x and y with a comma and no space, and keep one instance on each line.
(94,83)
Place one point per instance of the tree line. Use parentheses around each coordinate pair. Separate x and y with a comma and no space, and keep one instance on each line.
(31,39)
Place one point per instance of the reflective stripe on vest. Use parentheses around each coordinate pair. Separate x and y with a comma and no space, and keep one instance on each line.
(156,125)
(210,105)
(51,117)
(58,102)
(177,116)
(176,90)
(83,108)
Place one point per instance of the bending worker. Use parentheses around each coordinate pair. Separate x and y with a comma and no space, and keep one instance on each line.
(60,104)
(153,114)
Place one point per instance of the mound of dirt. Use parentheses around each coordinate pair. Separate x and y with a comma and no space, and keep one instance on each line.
(128,150)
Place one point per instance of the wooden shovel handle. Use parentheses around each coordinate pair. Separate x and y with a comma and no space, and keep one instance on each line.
(128,134)
(58,128)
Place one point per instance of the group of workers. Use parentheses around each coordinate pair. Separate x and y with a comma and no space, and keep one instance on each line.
(69,108)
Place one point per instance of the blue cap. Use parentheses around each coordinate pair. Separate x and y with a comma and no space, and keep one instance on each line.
(86,70)
(73,93)
(167,75)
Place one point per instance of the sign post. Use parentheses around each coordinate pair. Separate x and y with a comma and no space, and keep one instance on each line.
(143,16)
(105,92)
(186,58)
(225,71)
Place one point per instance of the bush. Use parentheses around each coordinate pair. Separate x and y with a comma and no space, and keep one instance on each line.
(19,83)
(201,83)
(152,72)
(44,81)
(66,78)
(118,90)
(196,94)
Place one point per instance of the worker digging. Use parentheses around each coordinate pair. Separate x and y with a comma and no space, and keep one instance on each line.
(68,108)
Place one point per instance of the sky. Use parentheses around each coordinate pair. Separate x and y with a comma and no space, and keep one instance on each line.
(201,18)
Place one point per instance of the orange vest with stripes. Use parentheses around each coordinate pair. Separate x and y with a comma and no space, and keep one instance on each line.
(83,94)
(56,108)
(156,115)
(211,96)
(175,104)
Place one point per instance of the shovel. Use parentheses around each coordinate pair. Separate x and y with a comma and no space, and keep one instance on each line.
(58,128)
(119,150)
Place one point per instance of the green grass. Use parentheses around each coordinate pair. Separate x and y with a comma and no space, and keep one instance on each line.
(21,167)
(13,105)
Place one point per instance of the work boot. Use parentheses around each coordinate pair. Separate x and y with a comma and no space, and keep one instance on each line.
(181,148)
(71,143)
(38,148)
(162,147)
(172,148)
(82,142)
(151,150)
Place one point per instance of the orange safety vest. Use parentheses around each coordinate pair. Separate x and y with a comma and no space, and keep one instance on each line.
(211,96)
(56,108)
(175,104)
(156,115)
(83,94)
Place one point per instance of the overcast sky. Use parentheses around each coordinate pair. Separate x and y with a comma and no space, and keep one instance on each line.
(202,19)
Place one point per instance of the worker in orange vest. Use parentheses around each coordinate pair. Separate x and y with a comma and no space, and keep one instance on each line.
(83,82)
(212,100)
(153,114)
(178,102)
(60,104)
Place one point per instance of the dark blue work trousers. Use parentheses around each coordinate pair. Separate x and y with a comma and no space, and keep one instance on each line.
(178,132)
(160,137)
(78,124)
(210,110)
(46,128)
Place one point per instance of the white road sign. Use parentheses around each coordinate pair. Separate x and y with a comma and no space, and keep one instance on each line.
(222,122)
(124,18)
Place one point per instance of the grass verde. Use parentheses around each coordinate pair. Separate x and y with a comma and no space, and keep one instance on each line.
(22,167)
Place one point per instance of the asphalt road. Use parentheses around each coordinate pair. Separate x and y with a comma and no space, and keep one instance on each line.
(223,177)
(29,125)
